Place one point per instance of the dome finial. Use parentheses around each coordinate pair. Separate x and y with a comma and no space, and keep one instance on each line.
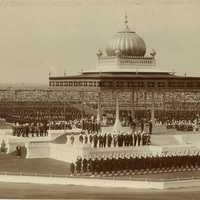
(126,20)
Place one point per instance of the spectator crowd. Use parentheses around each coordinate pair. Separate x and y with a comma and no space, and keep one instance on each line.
(183,125)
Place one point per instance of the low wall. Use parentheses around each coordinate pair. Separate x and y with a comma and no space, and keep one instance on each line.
(38,149)
(4,132)
(64,152)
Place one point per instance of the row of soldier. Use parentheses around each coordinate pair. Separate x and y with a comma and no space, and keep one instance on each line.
(41,128)
(132,163)
(32,129)
(102,140)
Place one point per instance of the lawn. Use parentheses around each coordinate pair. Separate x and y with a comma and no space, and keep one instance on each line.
(12,163)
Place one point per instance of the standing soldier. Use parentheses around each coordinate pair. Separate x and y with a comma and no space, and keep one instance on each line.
(85,165)
(104,140)
(143,138)
(142,125)
(78,165)
(100,138)
(89,165)
(139,138)
(92,165)
(72,168)
(109,140)
(90,138)
(135,138)
(86,139)
(115,139)
(81,138)
(95,139)
(72,139)
(130,139)
(150,127)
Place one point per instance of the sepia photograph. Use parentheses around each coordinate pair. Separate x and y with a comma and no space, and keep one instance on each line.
(100,99)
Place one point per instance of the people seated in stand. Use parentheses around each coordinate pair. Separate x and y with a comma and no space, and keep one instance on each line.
(182,125)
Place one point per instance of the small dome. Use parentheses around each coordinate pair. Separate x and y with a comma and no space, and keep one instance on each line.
(127,42)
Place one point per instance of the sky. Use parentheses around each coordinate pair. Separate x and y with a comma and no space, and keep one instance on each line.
(57,36)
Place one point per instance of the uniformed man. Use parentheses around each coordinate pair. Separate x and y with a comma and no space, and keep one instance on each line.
(142,125)
(95,140)
(79,165)
(115,140)
(135,138)
(139,137)
(150,127)
(72,168)
(86,139)
(109,140)
(104,140)
(81,138)
(85,165)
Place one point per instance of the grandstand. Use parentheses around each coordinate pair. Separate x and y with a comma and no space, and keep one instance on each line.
(178,105)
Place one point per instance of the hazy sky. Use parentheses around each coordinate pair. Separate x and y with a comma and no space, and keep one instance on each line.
(37,36)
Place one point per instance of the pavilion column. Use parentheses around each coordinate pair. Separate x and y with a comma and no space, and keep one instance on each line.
(133,104)
(164,105)
(117,109)
(82,104)
(49,108)
(64,103)
(99,108)
(153,107)
(145,102)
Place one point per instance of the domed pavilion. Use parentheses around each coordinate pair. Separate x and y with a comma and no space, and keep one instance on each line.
(125,66)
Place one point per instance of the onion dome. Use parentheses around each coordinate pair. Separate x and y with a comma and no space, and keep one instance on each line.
(127,42)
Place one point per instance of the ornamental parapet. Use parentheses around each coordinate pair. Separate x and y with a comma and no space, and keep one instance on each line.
(127,60)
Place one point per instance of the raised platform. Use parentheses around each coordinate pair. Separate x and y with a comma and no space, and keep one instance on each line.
(56,146)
